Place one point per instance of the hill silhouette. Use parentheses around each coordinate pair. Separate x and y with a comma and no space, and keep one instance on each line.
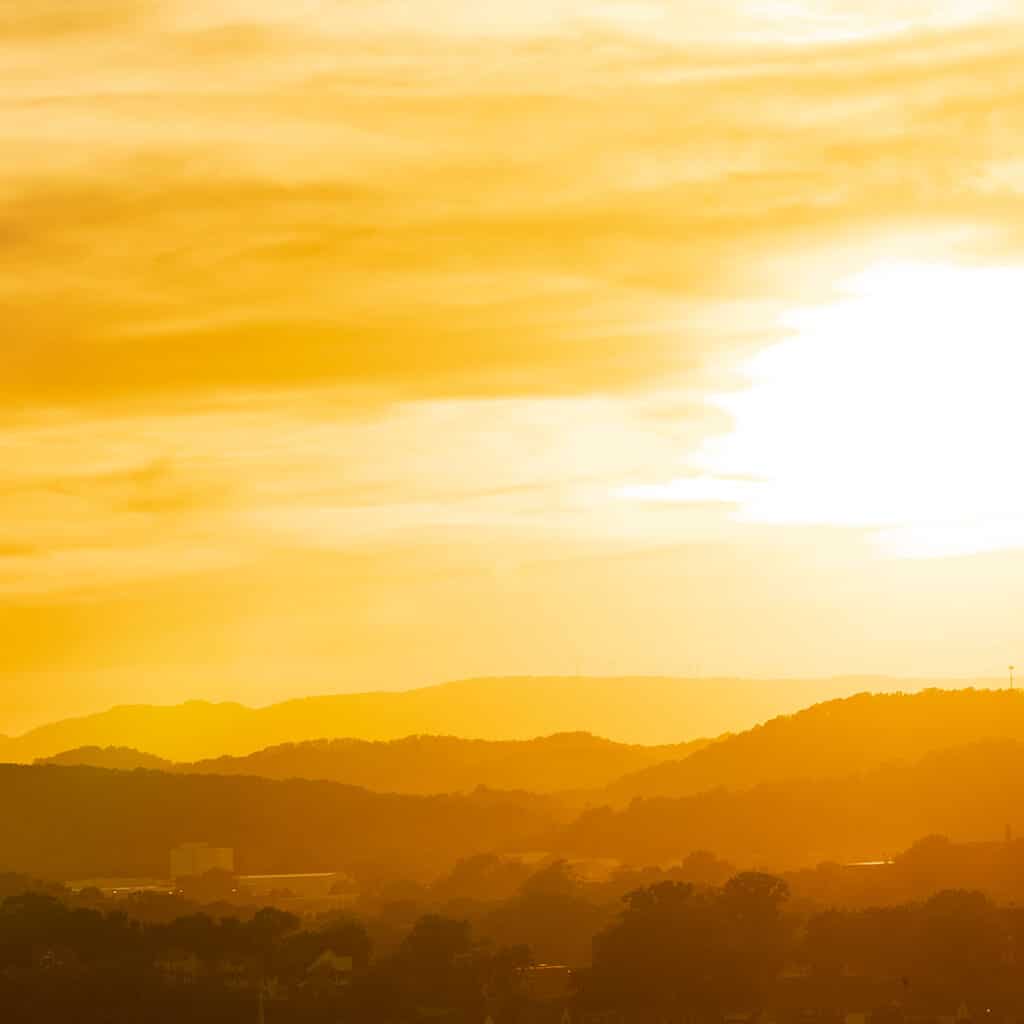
(418,764)
(117,758)
(82,822)
(646,710)
(971,792)
(832,739)
(828,740)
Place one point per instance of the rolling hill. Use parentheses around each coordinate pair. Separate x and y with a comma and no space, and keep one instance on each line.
(645,710)
(122,759)
(833,739)
(827,740)
(85,822)
(968,793)
(418,764)
(79,821)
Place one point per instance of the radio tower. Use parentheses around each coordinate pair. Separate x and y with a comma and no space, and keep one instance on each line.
(1011,677)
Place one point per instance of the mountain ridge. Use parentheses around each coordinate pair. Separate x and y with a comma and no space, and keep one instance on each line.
(968,792)
(646,710)
(832,739)
(88,822)
(420,764)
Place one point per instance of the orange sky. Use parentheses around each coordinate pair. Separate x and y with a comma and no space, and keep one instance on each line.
(371,343)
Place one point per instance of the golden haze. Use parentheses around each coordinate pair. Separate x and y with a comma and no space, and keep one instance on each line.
(365,345)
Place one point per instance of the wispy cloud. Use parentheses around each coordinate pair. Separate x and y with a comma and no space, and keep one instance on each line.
(456,215)
(335,298)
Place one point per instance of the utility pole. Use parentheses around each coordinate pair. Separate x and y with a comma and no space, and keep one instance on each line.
(1011,677)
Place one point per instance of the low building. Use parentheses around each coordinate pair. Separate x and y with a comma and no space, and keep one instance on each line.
(191,859)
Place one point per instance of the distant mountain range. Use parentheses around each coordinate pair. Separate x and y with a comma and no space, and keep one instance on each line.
(857,778)
(81,821)
(646,710)
(418,764)
(828,740)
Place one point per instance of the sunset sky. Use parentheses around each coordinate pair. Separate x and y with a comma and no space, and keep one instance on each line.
(371,343)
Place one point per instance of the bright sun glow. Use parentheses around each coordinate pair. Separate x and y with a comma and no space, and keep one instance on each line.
(898,407)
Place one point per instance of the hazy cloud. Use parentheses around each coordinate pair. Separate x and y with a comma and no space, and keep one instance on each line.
(382,304)
(542,219)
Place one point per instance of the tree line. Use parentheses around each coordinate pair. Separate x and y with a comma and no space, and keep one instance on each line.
(675,952)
